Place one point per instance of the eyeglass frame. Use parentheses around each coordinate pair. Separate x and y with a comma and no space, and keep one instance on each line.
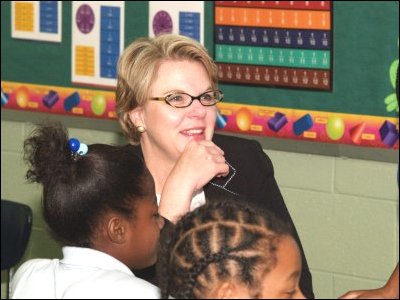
(192,98)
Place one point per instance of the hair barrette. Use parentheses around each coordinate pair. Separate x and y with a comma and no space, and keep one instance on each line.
(77,148)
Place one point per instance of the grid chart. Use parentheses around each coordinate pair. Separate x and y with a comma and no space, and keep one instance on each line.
(284,44)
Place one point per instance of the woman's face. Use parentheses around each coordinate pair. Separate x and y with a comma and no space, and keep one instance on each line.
(169,129)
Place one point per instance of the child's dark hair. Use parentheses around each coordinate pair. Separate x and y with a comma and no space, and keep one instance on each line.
(217,241)
(77,192)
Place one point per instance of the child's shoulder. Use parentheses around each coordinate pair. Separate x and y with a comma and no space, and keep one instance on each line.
(113,284)
(30,276)
(33,265)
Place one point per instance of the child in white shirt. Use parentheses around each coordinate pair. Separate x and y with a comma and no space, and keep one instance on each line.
(99,202)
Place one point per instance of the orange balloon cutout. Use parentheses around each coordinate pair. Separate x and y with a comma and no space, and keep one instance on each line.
(22,97)
(243,119)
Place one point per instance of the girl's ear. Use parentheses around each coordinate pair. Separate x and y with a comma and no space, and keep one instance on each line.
(116,230)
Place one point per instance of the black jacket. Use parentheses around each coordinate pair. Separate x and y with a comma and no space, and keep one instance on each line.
(251,178)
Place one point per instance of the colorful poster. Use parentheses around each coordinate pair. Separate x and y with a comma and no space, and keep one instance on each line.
(181,17)
(36,20)
(274,43)
(97,41)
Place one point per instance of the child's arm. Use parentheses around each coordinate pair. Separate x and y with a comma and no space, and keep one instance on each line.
(389,291)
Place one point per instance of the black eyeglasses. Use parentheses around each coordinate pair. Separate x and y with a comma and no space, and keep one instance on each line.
(181,100)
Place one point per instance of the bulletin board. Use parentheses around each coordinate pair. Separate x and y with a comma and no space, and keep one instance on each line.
(355,106)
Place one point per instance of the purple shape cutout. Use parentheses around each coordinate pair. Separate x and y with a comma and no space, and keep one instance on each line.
(389,133)
(50,99)
(277,122)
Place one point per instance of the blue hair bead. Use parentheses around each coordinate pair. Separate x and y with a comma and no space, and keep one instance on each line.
(74,145)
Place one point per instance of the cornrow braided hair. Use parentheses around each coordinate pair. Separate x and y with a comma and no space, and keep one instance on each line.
(218,241)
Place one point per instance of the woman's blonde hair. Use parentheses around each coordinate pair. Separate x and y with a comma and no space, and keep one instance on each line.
(138,66)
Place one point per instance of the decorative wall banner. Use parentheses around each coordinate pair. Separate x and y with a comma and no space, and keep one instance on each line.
(295,36)
(58,100)
(318,126)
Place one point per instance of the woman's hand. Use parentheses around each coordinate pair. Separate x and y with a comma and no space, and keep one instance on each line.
(198,164)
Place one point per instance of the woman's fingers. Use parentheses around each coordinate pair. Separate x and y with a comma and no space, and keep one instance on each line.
(202,161)
(211,146)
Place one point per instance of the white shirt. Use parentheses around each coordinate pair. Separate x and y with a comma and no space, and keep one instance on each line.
(82,273)
(198,199)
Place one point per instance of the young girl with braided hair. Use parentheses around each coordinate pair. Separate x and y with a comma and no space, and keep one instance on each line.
(99,202)
(228,250)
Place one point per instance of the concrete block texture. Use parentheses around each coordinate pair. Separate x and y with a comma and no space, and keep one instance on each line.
(303,171)
(366,178)
(345,234)
(11,136)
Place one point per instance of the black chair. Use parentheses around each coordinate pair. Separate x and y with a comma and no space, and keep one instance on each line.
(16,225)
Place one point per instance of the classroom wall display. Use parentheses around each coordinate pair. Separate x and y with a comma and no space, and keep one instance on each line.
(357,105)
(59,100)
(348,93)
(36,20)
(97,41)
(179,17)
(274,43)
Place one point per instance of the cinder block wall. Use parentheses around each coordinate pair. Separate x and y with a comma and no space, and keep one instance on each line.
(346,213)
(345,210)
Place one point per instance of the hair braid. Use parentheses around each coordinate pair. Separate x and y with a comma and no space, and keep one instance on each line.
(197,269)
(217,241)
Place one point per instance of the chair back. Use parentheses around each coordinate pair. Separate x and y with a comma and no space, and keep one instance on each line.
(16,225)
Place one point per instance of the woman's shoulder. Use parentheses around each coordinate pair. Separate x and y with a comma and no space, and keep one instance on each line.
(244,154)
(234,142)
(238,149)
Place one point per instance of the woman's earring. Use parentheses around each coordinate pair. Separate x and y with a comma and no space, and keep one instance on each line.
(140,128)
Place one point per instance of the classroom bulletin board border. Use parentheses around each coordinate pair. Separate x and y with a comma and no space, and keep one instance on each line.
(317,126)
